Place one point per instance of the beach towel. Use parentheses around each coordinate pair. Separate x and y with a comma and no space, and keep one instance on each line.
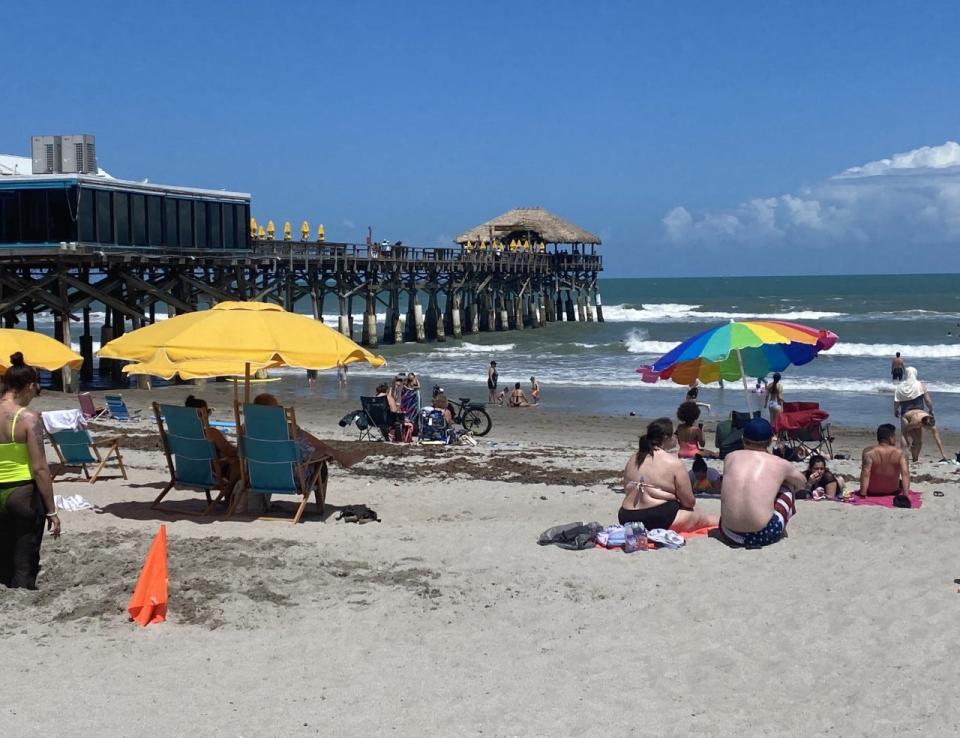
(60,420)
(71,503)
(916,499)
(698,533)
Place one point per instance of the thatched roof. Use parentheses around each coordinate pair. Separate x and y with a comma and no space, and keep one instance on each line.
(534,223)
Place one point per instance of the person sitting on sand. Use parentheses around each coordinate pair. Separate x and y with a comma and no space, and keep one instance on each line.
(690,436)
(657,486)
(912,424)
(517,398)
(226,452)
(822,483)
(383,390)
(440,402)
(312,447)
(703,479)
(756,497)
(884,469)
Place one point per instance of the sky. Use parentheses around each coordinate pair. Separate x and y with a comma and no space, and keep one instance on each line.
(694,137)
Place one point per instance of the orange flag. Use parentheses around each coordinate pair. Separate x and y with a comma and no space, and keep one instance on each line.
(149,601)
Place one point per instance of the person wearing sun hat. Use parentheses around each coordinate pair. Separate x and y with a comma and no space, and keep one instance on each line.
(756,495)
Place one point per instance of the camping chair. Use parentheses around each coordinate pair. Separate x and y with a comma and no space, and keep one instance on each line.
(801,427)
(118,408)
(379,416)
(191,456)
(88,408)
(271,460)
(77,448)
(729,434)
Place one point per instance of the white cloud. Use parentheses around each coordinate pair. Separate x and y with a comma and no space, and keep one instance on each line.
(911,197)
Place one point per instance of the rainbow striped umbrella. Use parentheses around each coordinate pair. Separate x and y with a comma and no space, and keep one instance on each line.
(737,350)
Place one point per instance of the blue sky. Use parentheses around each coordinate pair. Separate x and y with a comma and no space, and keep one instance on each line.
(694,137)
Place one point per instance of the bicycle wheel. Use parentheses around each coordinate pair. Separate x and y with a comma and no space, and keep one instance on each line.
(476,421)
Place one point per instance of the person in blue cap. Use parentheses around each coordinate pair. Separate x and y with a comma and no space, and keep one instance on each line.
(757,493)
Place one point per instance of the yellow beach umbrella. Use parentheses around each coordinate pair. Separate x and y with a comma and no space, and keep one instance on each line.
(38,350)
(255,334)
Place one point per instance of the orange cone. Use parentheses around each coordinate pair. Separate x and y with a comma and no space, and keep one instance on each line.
(149,601)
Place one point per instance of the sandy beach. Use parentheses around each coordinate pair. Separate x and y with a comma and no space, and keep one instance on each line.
(446,618)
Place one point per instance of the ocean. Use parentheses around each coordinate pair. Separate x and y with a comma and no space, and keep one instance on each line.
(590,367)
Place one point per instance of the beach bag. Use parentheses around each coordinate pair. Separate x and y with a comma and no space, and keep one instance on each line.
(433,426)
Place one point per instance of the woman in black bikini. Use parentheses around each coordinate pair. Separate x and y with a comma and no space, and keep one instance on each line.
(657,486)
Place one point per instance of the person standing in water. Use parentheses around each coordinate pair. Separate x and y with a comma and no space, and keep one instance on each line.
(492,378)
(896,368)
(535,390)
(774,399)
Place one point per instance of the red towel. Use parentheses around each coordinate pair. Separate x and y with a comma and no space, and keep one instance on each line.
(698,533)
(916,499)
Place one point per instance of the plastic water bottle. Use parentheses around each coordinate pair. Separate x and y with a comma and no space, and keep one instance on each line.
(641,536)
(629,539)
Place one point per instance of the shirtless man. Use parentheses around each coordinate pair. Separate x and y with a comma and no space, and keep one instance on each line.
(896,368)
(756,495)
(912,424)
(884,469)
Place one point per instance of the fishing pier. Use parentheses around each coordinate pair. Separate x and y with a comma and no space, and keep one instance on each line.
(75,243)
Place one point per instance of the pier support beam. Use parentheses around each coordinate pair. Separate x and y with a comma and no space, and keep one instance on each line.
(571,316)
(588,304)
(454,303)
(368,336)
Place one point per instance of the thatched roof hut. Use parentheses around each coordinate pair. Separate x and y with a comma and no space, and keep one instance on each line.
(534,224)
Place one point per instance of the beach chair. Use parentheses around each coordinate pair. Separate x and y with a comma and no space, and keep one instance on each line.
(191,455)
(379,416)
(88,407)
(433,427)
(271,460)
(802,427)
(118,409)
(729,433)
(78,448)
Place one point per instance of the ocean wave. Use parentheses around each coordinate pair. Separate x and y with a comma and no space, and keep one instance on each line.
(467,348)
(670,312)
(887,350)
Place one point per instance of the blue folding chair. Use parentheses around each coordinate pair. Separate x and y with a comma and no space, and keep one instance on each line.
(271,460)
(118,408)
(191,455)
(77,448)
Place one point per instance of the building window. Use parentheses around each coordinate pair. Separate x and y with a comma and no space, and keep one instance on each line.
(154,220)
(62,214)
(138,219)
(104,217)
(169,221)
(185,217)
(200,224)
(243,225)
(121,214)
(33,216)
(213,224)
(86,215)
(229,226)
(9,217)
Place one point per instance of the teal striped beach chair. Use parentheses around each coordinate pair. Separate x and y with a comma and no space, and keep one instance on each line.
(78,448)
(118,408)
(271,461)
(191,456)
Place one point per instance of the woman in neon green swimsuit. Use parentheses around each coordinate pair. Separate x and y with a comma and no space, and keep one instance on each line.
(26,487)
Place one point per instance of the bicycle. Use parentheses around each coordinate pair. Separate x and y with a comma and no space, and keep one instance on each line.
(471,415)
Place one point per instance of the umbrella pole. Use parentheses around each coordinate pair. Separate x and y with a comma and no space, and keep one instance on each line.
(743,376)
(246,383)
